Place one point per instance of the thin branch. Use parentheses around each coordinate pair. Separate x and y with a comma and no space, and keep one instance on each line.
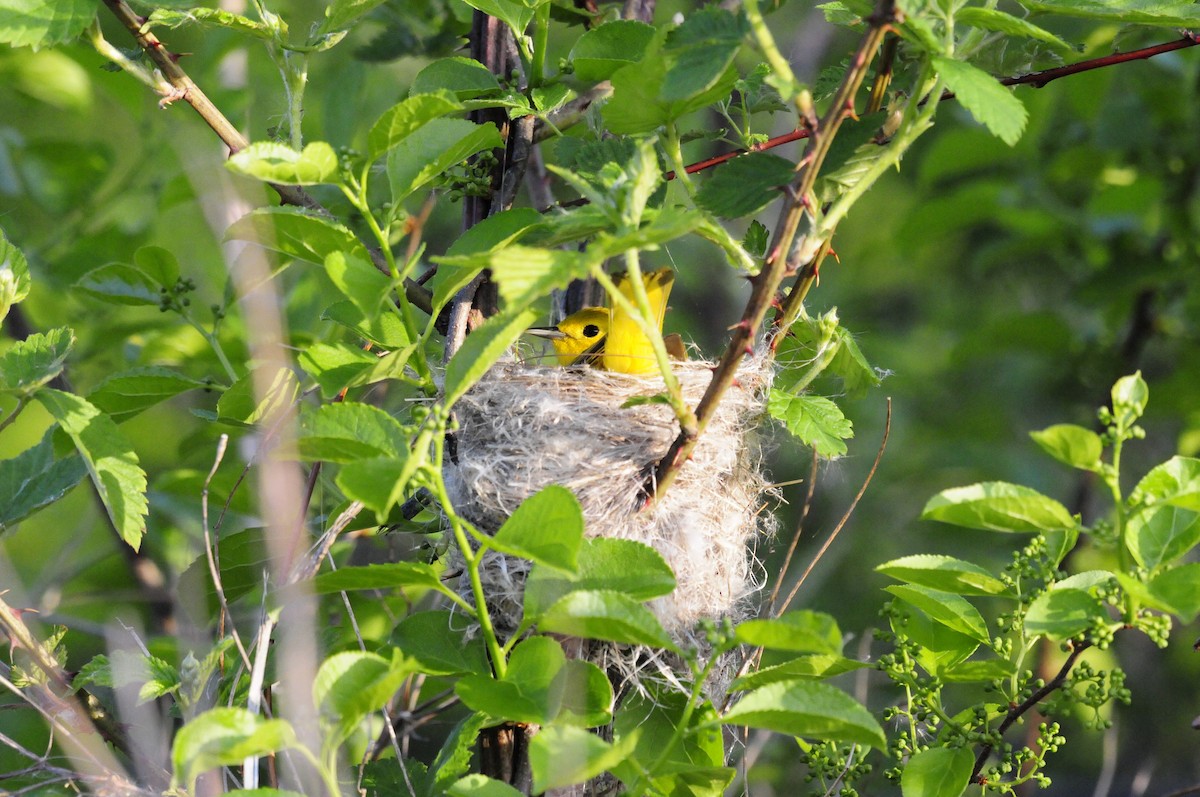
(1016,712)
(776,266)
(213,556)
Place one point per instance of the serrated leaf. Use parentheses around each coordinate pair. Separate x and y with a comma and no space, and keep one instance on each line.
(296,234)
(410,115)
(111,461)
(547,528)
(606,615)
(800,631)
(700,51)
(273,162)
(118,283)
(998,506)
(1175,482)
(816,420)
(384,329)
(1063,613)
(433,149)
(28,364)
(528,692)
(14,276)
(439,643)
(809,709)
(992,19)
(627,566)
(225,737)
(174,18)
(944,573)
(482,349)
(340,15)
(562,756)
(603,50)
(1127,12)
(1161,534)
(637,105)
(1071,445)
(462,78)
(241,405)
(745,185)
(34,479)
(937,772)
(993,105)
(43,23)
(514,14)
(126,394)
(353,684)
(347,431)
(953,611)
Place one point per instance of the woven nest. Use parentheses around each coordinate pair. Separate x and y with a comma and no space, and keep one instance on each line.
(522,428)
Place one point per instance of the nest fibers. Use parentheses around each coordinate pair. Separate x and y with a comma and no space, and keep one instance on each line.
(522,428)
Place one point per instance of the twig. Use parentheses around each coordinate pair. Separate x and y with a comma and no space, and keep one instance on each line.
(1016,712)
(791,551)
(213,556)
(775,267)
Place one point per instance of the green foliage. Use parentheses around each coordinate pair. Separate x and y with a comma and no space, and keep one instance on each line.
(323,349)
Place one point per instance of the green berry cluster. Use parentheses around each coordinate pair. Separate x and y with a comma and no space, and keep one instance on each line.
(833,766)
(175,298)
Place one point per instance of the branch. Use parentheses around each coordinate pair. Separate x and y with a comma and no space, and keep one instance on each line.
(776,266)
(186,89)
(1016,712)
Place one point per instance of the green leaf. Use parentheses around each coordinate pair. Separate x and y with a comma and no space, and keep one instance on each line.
(606,615)
(243,560)
(455,757)
(383,329)
(691,765)
(240,404)
(700,51)
(1161,534)
(111,461)
(216,17)
(14,276)
(998,506)
(944,573)
(977,671)
(953,611)
(297,234)
(1175,482)
(627,566)
(1063,613)
(525,273)
(359,281)
(1130,394)
(481,786)
(527,692)
(340,15)
(1179,588)
(809,709)
(336,366)
(562,756)
(28,364)
(378,483)
(937,772)
(991,19)
(993,105)
(462,78)
(745,185)
(801,631)
(34,479)
(410,115)
(353,684)
(817,667)
(128,393)
(516,15)
(547,528)
(939,647)
(1072,445)
(434,149)
(225,737)
(273,162)
(43,23)
(439,644)
(347,431)
(481,350)
(587,695)
(815,420)
(117,283)
(388,575)
(638,105)
(603,50)
(1126,12)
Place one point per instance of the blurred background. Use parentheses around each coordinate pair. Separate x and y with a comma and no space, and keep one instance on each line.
(1000,289)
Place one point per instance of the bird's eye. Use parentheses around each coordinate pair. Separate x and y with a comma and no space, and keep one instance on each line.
(591,331)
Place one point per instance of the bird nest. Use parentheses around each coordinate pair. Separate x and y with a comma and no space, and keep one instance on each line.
(523,428)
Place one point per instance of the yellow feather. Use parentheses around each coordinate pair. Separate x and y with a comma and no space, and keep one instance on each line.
(626,349)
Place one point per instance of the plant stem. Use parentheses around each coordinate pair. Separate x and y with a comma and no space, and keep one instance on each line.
(541,38)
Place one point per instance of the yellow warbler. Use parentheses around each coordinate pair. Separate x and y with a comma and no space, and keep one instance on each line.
(611,339)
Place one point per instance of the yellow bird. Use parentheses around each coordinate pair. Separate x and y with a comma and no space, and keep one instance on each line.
(611,339)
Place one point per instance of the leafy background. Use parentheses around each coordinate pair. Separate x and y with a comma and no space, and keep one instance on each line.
(1002,288)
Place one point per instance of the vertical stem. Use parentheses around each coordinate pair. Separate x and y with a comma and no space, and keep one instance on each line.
(541,37)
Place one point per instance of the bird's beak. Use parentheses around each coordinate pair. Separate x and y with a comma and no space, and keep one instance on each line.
(550,333)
